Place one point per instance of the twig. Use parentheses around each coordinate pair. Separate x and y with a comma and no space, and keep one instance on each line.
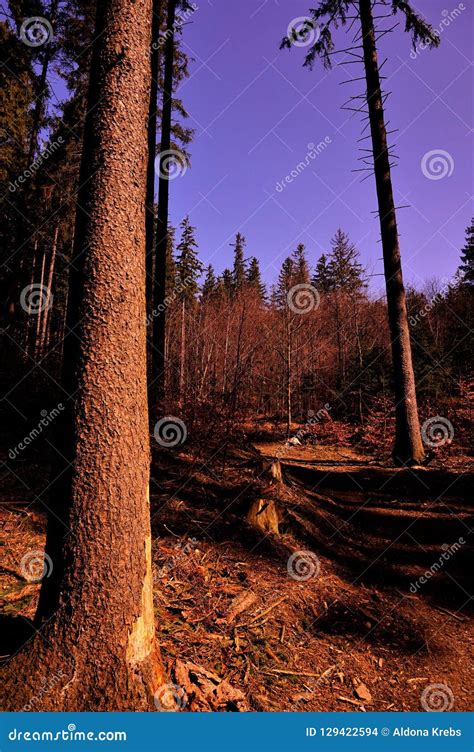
(450,613)
(267,611)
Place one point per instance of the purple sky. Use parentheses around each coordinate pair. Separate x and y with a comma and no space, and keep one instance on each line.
(255,109)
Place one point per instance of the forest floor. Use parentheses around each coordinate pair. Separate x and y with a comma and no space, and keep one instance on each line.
(346,626)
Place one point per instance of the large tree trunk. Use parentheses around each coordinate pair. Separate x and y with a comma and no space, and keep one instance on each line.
(408,446)
(150,173)
(157,391)
(95,616)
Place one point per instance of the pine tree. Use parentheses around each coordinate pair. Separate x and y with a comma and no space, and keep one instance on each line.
(286,280)
(329,14)
(345,271)
(239,269)
(188,271)
(301,268)
(254,278)
(170,76)
(226,283)
(170,260)
(322,279)
(188,265)
(467,256)
(209,286)
(98,537)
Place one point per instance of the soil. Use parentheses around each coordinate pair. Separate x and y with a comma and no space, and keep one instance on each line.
(330,615)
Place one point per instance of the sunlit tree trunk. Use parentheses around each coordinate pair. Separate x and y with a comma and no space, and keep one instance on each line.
(96,607)
(408,446)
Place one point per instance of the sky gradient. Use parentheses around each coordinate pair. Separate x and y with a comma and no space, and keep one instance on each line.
(255,110)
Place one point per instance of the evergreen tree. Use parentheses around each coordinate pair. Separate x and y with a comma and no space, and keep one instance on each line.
(286,280)
(209,286)
(322,278)
(170,260)
(344,269)
(225,283)
(467,256)
(188,265)
(301,268)
(98,534)
(329,14)
(254,278)
(239,270)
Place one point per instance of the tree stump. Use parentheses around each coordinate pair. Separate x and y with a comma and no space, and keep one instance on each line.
(263,514)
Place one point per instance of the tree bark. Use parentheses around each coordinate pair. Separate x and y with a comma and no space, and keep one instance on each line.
(95,615)
(159,322)
(408,447)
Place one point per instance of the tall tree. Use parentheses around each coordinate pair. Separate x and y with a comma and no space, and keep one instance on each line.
(239,269)
(408,447)
(254,278)
(287,278)
(157,390)
(157,383)
(344,268)
(188,271)
(98,539)
(467,256)
(322,280)
(150,174)
(209,285)
(301,265)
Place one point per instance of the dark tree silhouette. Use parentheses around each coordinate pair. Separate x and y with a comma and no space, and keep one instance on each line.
(95,614)
(408,447)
